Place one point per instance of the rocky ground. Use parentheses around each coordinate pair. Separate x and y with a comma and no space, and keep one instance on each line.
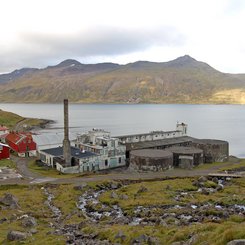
(196,210)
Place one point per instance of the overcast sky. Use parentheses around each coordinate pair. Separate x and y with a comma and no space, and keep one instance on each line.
(38,33)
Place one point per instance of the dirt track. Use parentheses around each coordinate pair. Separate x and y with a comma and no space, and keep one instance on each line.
(30,177)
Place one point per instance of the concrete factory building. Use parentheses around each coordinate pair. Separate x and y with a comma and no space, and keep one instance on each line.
(96,150)
(154,151)
(81,161)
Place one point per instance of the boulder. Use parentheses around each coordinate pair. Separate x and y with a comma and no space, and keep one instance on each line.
(215,180)
(16,235)
(10,201)
(124,197)
(219,187)
(114,195)
(120,235)
(115,186)
(237,242)
(202,179)
(29,222)
(3,220)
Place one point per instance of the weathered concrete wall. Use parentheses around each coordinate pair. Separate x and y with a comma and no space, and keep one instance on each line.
(213,150)
(150,162)
(186,157)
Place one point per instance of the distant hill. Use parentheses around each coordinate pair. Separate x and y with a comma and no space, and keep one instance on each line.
(183,80)
(5,78)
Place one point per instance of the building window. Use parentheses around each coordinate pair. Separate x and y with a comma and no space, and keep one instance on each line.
(106,162)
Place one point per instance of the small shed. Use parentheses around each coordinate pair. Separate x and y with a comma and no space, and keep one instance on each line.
(4,151)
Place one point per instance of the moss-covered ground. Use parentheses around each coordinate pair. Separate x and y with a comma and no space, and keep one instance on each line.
(32,202)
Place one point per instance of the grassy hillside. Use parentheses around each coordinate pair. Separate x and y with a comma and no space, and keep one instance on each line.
(183,80)
(9,119)
(16,122)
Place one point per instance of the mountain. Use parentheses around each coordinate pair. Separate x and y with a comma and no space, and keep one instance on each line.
(183,80)
(5,78)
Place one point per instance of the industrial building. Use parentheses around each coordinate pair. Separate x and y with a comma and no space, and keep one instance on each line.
(95,150)
(154,151)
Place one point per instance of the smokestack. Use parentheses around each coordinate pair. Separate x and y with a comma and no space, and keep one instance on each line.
(66,141)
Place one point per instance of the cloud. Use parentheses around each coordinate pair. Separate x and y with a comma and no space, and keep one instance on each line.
(37,49)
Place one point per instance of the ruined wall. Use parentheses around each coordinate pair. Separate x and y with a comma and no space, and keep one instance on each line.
(213,150)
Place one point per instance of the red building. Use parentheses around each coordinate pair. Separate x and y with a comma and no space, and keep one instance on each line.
(21,143)
(4,151)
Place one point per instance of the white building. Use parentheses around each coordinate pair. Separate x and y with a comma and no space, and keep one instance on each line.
(112,153)
(81,161)
(181,130)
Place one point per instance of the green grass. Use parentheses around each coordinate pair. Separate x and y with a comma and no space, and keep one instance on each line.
(207,166)
(7,163)
(31,201)
(48,172)
(234,166)
(9,119)
(215,234)
(32,198)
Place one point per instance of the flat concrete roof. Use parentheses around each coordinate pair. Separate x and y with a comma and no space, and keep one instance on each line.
(155,143)
(210,141)
(185,150)
(152,153)
(75,152)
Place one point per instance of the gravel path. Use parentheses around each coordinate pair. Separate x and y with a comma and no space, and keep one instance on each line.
(29,177)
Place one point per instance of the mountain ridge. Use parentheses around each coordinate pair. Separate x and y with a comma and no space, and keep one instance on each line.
(182,80)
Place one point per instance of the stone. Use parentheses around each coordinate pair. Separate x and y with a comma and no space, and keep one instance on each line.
(10,201)
(114,186)
(140,240)
(3,220)
(33,231)
(114,195)
(193,239)
(29,222)
(202,179)
(219,187)
(124,197)
(237,242)
(205,191)
(80,187)
(120,235)
(215,180)
(120,220)
(16,235)
(142,189)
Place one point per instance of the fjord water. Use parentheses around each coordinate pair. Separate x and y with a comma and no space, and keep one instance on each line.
(224,122)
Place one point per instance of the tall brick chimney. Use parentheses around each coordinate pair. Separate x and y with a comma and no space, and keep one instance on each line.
(66,141)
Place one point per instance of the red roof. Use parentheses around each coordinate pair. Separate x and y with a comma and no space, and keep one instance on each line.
(18,137)
(3,128)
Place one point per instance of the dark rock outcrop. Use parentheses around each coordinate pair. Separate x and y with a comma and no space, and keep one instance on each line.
(9,201)
(16,235)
